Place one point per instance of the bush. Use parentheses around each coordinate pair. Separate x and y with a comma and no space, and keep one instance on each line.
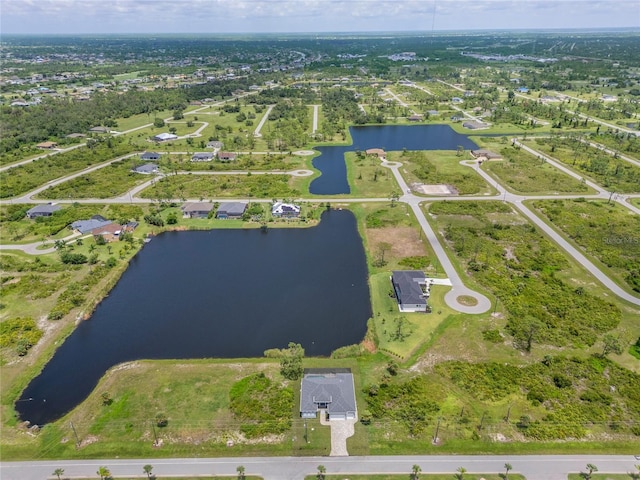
(21,332)
(73,258)
(161,420)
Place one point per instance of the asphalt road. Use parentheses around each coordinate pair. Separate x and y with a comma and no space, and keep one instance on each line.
(534,467)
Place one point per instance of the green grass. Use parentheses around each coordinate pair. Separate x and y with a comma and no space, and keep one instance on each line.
(134,121)
(245,162)
(424,476)
(604,476)
(112,180)
(440,167)
(221,186)
(367,178)
(521,172)
(608,232)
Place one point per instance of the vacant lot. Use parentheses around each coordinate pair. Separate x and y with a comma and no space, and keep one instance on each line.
(608,232)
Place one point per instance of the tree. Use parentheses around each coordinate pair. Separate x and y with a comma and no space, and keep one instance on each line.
(158,123)
(590,469)
(291,361)
(147,469)
(161,420)
(507,468)
(106,399)
(611,344)
(461,471)
(58,472)
(460,151)
(394,197)
(383,247)
(415,472)
(240,470)
(104,473)
(321,472)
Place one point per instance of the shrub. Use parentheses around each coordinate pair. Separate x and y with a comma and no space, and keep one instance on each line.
(21,332)
(72,258)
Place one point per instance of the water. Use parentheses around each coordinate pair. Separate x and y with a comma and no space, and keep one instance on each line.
(330,162)
(218,293)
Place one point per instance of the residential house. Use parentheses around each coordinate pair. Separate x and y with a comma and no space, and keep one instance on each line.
(146,169)
(110,232)
(328,389)
(215,144)
(164,137)
(483,154)
(150,156)
(76,135)
(196,209)
(378,152)
(231,210)
(99,130)
(226,156)
(475,125)
(456,100)
(45,210)
(202,157)
(47,145)
(416,117)
(411,290)
(86,226)
(285,210)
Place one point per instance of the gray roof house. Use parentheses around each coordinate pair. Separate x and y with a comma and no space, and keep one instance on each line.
(85,226)
(45,210)
(214,144)
(146,169)
(285,210)
(150,156)
(329,389)
(197,209)
(483,153)
(202,157)
(410,287)
(231,210)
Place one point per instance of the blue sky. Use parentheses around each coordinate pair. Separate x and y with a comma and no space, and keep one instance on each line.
(256,16)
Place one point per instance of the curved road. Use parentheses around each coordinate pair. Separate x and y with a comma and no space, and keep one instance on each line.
(533,467)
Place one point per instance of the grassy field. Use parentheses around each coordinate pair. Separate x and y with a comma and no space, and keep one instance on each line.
(610,235)
(222,186)
(245,162)
(108,182)
(440,167)
(521,172)
(367,178)
(424,476)
(612,173)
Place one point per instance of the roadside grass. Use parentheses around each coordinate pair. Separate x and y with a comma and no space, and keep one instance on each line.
(224,186)
(139,120)
(367,178)
(523,173)
(635,201)
(108,182)
(604,476)
(611,173)
(440,167)
(609,237)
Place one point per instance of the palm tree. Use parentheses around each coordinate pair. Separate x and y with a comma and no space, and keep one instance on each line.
(240,471)
(507,467)
(415,472)
(147,469)
(461,471)
(58,471)
(321,471)
(591,468)
(104,473)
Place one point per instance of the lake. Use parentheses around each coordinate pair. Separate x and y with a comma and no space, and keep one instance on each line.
(330,162)
(217,293)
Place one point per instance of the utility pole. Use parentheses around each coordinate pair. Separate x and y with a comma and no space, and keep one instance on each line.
(306,432)
(484,414)
(435,437)
(155,443)
(506,419)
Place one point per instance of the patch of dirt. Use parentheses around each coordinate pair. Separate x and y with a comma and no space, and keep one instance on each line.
(405,240)
(88,441)
(429,360)
(368,345)
(125,366)
(509,255)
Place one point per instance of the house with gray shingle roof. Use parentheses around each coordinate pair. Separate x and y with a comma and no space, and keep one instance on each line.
(231,210)
(45,210)
(146,169)
(411,290)
(85,226)
(329,389)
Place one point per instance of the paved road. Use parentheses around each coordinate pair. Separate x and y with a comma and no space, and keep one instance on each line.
(315,118)
(534,467)
(263,121)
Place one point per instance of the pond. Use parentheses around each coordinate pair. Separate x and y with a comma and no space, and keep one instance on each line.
(218,293)
(330,162)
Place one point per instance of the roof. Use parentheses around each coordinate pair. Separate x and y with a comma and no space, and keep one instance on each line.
(84,226)
(197,207)
(226,155)
(47,145)
(280,207)
(232,208)
(406,284)
(148,155)
(375,151)
(112,228)
(165,136)
(331,386)
(202,156)
(146,168)
(214,144)
(46,208)
(485,153)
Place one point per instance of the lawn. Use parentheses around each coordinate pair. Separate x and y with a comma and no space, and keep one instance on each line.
(367,178)
(440,168)
(108,182)
(606,231)
(243,162)
(423,476)
(521,172)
